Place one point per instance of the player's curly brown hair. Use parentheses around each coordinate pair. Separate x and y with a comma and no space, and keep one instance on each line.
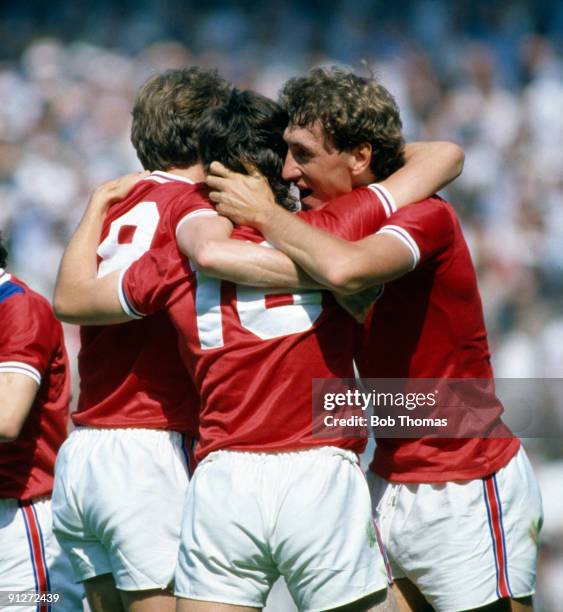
(351,109)
(167,112)
(3,253)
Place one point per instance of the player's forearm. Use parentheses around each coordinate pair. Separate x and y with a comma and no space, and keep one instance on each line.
(96,303)
(429,167)
(80,297)
(342,266)
(206,242)
(78,269)
(375,260)
(250,264)
(311,249)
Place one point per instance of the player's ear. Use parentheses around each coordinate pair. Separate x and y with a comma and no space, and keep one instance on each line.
(360,158)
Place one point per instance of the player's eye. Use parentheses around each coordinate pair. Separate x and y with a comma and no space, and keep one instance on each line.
(301,156)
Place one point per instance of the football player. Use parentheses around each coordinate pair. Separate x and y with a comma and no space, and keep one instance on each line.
(459,517)
(34,399)
(122,474)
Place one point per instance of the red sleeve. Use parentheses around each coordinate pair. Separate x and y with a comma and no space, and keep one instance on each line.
(147,285)
(26,335)
(192,204)
(354,215)
(426,227)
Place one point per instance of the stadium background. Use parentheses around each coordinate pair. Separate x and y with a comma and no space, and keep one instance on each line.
(487,75)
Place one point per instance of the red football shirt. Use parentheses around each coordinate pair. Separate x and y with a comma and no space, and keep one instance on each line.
(252,353)
(31,343)
(429,324)
(131,375)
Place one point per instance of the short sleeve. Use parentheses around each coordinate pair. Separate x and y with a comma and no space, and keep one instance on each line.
(26,335)
(189,206)
(427,228)
(147,285)
(354,215)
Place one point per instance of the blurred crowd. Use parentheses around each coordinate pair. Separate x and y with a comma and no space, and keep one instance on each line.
(487,75)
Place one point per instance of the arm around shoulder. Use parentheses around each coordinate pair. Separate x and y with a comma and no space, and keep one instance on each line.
(428,168)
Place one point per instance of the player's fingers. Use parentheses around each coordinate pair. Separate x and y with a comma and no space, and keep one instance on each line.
(222,210)
(218,169)
(129,179)
(251,168)
(116,189)
(215,197)
(134,176)
(215,182)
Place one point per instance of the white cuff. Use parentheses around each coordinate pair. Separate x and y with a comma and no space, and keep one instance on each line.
(385,197)
(126,305)
(18,367)
(402,234)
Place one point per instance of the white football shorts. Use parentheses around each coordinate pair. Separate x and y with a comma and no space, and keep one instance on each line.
(118,501)
(31,559)
(463,544)
(306,515)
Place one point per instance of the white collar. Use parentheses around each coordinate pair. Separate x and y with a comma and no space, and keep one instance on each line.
(172,177)
(4,276)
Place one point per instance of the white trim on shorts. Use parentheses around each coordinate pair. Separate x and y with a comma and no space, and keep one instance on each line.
(31,559)
(467,524)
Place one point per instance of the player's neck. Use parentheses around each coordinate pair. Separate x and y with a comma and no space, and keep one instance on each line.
(366,178)
(195,173)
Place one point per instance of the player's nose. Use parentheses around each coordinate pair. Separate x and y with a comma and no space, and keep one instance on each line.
(290,170)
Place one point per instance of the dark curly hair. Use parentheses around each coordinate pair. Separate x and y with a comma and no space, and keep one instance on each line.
(352,110)
(167,112)
(248,128)
(3,253)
